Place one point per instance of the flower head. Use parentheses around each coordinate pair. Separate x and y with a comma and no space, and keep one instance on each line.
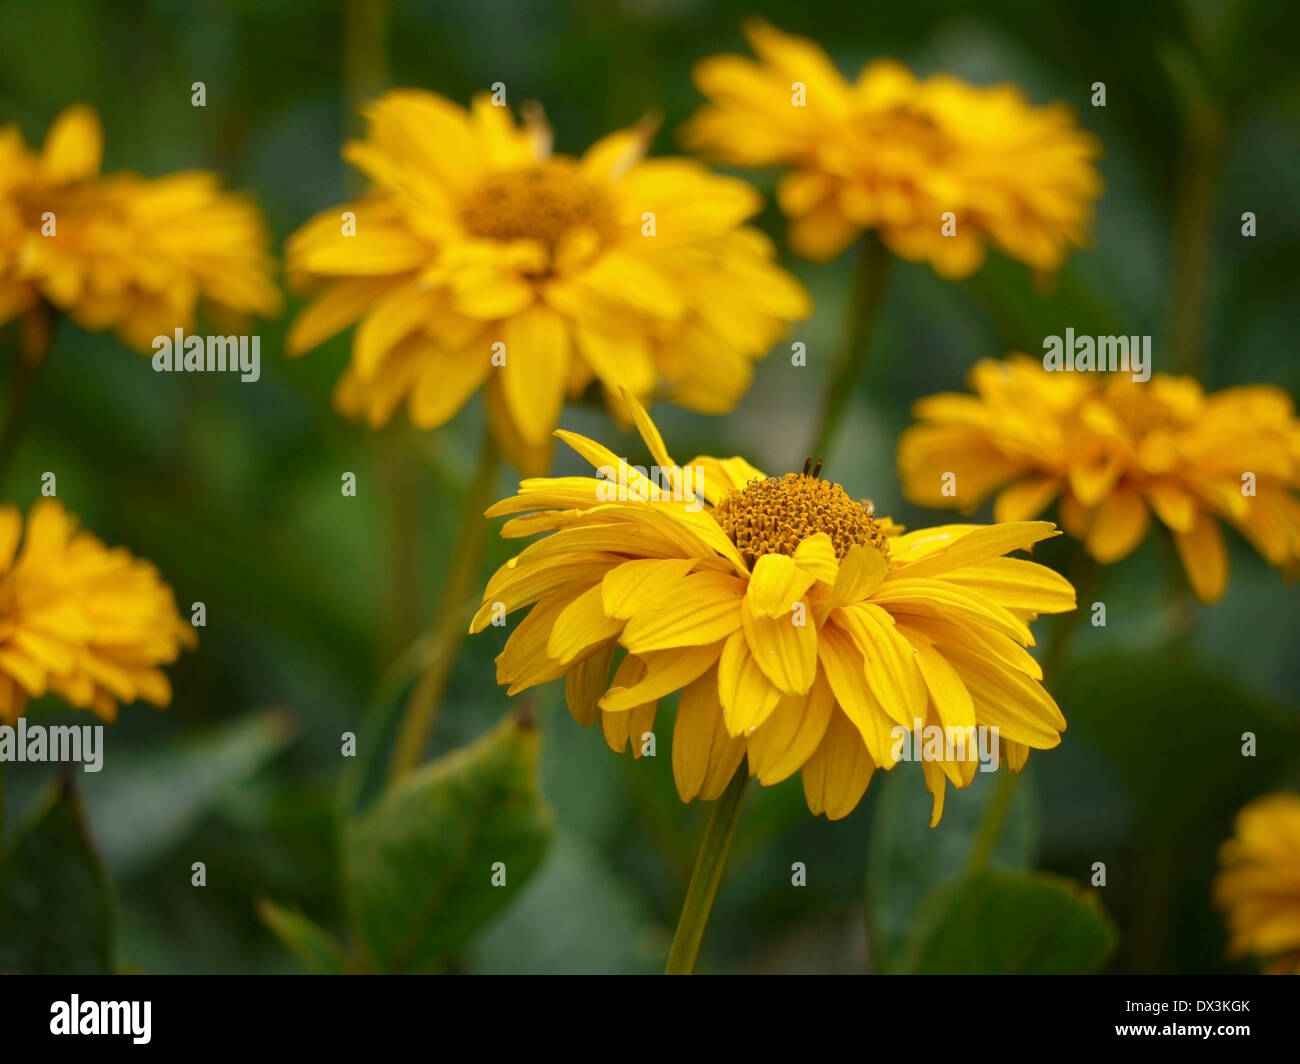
(895,154)
(480,259)
(125,253)
(1113,451)
(1259,882)
(801,629)
(79,619)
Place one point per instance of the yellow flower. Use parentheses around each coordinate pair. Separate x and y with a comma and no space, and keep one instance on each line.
(79,619)
(894,154)
(1113,450)
(800,629)
(1259,883)
(481,259)
(122,253)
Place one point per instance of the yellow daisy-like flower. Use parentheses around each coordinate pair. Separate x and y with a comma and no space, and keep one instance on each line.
(1114,450)
(79,619)
(122,253)
(895,154)
(482,260)
(800,628)
(1259,883)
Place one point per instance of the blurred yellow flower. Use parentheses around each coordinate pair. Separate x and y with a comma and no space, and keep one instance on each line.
(79,619)
(122,253)
(481,259)
(800,629)
(1259,883)
(895,154)
(1114,450)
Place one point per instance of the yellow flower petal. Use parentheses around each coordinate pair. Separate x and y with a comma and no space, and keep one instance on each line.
(747,696)
(704,756)
(785,647)
(791,734)
(836,776)
(1118,526)
(537,365)
(1205,558)
(666,671)
(701,608)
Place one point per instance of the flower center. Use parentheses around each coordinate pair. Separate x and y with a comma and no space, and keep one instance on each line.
(775,515)
(542,203)
(1139,410)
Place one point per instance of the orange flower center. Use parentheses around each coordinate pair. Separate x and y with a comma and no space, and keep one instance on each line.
(545,202)
(775,515)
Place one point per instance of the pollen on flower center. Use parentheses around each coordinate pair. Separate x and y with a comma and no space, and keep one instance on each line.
(773,516)
(542,203)
(1140,411)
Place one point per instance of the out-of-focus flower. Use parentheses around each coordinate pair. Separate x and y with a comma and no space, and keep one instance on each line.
(1259,883)
(122,253)
(799,627)
(482,260)
(1113,450)
(87,622)
(895,154)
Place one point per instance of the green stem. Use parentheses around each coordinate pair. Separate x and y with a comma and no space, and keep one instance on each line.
(990,825)
(1192,223)
(402,489)
(1084,574)
(864,304)
(709,865)
(20,408)
(448,627)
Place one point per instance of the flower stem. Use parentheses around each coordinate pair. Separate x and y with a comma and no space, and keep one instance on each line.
(864,304)
(23,388)
(448,627)
(707,875)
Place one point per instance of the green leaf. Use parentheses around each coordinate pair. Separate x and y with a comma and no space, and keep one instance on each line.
(57,912)
(419,864)
(908,859)
(1001,923)
(313,945)
(149,802)
(1128,706)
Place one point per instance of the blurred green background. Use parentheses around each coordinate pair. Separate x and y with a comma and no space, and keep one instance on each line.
(233,489)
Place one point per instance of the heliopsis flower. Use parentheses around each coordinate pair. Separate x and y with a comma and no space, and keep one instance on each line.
(900,156)
(79,619)
(480,259)
(1259,883)
(121,253)
(1112,451)
(801,629)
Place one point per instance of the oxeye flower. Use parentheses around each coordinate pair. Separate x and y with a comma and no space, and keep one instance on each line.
(939,168)
(122,253)
(1259,883)
(480,259)
(81,620)
(802,630)
(1112,451)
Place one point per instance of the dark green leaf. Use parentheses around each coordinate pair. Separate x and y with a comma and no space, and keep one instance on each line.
(1001,923)
(908,859)
(57,913)
(419,864)
(147,803)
